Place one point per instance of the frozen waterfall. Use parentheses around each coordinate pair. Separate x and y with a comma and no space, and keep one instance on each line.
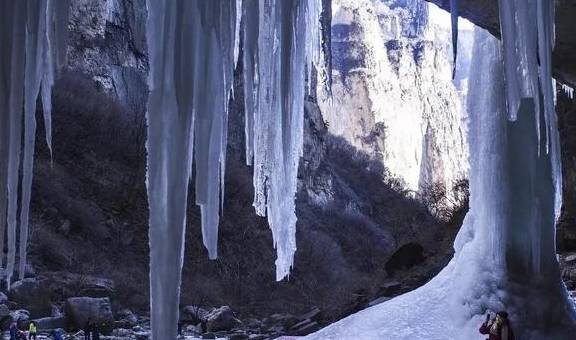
(505,255)
(33,35)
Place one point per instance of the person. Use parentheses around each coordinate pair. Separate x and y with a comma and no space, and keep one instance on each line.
(87,329)
(498,328)
(32,329)
(13,331)
(57,334)
(95,332)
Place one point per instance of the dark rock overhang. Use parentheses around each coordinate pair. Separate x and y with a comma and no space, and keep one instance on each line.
(484,13)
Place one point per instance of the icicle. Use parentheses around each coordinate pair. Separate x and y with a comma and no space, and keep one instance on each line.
(169,153)
(35,45)
(32,33)
(519,38)
(545,13)
(568,91)
(250,75)
(326,30)
(16,16)
(454,17)
(192,47)
(288,45)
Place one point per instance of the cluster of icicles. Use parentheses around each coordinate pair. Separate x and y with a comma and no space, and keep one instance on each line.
(193,50)
(32,36)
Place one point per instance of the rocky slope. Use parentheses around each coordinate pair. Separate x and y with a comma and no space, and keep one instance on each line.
(393,96)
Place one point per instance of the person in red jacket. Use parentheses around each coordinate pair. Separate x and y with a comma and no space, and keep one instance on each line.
(498,328)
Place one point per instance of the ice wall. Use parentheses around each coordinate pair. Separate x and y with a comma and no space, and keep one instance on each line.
(33,35)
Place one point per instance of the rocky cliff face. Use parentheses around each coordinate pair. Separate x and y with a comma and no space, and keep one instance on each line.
(107,42)
(393,96)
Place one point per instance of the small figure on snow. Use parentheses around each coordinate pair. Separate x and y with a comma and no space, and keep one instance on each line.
(498,328)
(87,329)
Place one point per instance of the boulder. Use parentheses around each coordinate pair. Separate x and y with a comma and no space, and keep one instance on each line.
(127,316)
(79,310)
(70,285)
(221,319)
(193,314)
(4,311)
(51,322)
(3,298)
(570,259)
(33,294)
(20,315)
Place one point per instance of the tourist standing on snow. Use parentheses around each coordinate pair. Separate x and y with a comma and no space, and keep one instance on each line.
(498,328)
(32,331)
(13,331)
(87,329)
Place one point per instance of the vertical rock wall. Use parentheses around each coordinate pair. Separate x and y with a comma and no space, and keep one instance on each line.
(393,96)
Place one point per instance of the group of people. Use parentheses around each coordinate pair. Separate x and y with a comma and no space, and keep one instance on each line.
(91,331)
(16,332)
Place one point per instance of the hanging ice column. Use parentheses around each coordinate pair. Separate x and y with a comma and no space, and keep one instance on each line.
(33,35)
(282,41)
(505,256)
(191,47)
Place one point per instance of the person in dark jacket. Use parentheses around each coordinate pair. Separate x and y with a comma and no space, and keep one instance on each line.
(57,334)
(95,332)
(498,328)
(13,331)
(87,329)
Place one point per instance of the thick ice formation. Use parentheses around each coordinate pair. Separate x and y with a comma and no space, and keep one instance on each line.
(193,47)
(282,42)
(505,255)
(33,34)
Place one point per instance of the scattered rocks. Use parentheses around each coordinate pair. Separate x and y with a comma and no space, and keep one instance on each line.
(127,316)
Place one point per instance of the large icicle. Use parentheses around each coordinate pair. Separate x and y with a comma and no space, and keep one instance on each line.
(454,21)
(15,43)
(33,37)
(519,39)
(282,41)
(250,76)
(192,47)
